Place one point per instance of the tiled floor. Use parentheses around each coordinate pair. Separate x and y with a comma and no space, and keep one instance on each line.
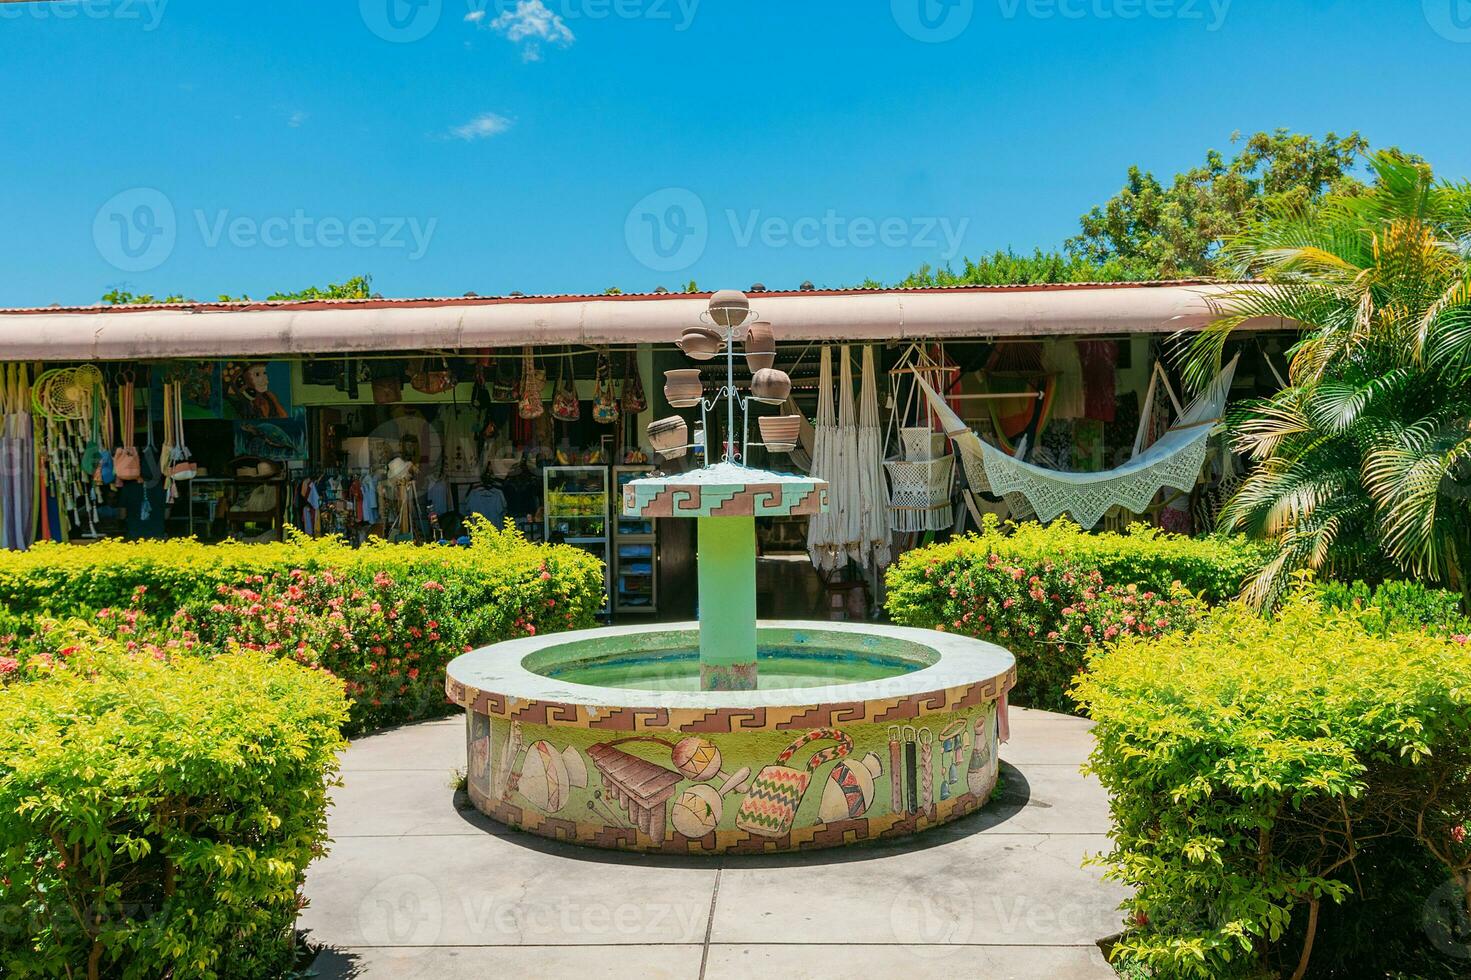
(417,888)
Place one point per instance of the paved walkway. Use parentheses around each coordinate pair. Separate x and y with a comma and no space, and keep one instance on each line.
(417,888)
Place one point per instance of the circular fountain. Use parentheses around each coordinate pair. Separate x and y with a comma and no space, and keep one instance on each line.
(731,735)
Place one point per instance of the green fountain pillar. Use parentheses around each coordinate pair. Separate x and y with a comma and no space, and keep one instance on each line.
(727,562)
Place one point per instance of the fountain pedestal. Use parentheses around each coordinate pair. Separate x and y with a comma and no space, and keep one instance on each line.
(726,499)
(727,560)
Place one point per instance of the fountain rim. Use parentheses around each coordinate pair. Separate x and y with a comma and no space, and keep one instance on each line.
(499,668)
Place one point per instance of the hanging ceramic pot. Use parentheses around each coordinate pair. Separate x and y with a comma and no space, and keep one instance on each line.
(683,387)
(779,433)
(700,343)
(729,308)
(760,346)
(770,386)
(670,437)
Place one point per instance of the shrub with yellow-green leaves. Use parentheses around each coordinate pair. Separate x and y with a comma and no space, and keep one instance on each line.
(158,811)
(1268,774)
(386,618)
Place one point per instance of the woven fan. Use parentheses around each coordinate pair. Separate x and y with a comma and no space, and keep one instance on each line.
(65,393)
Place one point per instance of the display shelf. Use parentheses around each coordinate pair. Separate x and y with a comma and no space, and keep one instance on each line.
(635,552)
(576,511)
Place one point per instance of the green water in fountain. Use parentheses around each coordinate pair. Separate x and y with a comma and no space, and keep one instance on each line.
(780,667)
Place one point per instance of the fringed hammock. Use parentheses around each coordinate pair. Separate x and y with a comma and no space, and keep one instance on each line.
(1173,461)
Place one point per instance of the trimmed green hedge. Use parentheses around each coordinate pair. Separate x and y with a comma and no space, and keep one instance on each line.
(159,814)
(1050,593)
(1270,776)
(386,618)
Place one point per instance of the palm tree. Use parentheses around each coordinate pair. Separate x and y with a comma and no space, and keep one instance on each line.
(1363,462)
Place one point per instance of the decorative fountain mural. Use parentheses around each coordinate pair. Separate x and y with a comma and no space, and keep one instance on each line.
(730,735)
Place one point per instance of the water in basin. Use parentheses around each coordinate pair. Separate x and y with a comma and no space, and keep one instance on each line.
(778,667)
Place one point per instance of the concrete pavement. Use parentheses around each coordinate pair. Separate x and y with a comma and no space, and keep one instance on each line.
(416,887)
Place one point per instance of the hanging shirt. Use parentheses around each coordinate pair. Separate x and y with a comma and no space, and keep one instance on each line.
(488,502)
(370,500)
(438,494)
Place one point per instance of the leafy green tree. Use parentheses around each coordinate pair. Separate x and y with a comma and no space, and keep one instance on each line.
(1177,231)
(358,287)
(1364,460)
(1007,268)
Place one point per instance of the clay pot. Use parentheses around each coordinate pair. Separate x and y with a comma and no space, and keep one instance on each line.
(760,346)
(670,437)
(700,343)
(729,308)
(770,386)
(683,388)
(779,432)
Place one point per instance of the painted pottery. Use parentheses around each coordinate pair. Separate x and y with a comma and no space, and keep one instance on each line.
(771,386)
(848,793)
(779,433)
(760,346)
(670,437)
(548,775)
(683,387)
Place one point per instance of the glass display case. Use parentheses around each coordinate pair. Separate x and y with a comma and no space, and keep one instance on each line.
(635,552)
(576,505)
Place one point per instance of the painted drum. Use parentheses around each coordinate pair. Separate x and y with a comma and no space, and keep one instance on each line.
(637,762)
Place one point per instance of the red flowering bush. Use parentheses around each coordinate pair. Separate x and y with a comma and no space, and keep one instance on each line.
(1048,613)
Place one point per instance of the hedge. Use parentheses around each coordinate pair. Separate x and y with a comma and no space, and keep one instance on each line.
(1279,785)
(160,812)
(1049,593)
(386,618)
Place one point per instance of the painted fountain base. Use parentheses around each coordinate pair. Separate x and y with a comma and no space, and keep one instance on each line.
(764,771)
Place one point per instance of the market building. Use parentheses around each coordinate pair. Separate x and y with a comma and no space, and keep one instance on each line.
(401,417)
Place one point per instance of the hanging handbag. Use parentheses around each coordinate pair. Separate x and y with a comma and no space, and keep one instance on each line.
(126,465)
(504,384)
(434,381)
(634,400)
(604,400)
(533,380)
(181,461)
(769,809)
(565,406)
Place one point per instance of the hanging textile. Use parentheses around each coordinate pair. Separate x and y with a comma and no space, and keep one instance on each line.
(1174,461)
(1060,361)
(920,483)
(873,489)
(823,543)
(846,491)
(1100,360)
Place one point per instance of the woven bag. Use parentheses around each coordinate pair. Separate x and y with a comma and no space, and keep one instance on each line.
(769,809)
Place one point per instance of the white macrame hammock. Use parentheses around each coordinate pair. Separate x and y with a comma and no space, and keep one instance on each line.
(873,488)
(1173,461)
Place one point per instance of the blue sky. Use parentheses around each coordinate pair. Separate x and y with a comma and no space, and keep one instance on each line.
(208,146)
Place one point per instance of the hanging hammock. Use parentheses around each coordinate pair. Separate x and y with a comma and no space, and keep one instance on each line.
(873,489)
(1174,461)
(823,541)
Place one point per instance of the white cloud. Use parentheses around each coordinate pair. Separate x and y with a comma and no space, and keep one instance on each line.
(474,16)
(297,118)
(483,126)
(531,25)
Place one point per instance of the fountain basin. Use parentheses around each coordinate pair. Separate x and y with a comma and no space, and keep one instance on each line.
(878,732)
